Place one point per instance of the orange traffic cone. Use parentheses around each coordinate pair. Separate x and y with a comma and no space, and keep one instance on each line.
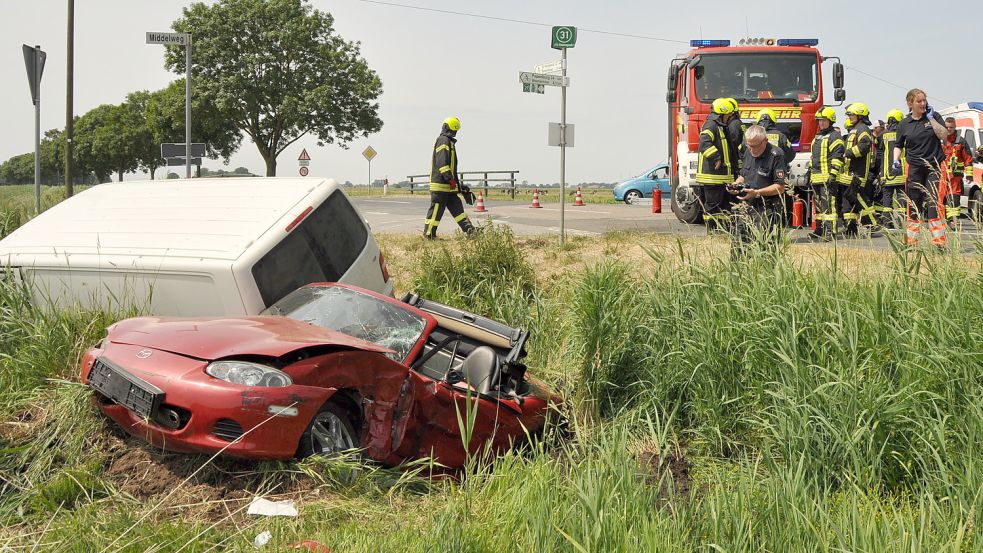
(578,200)
(535,198)
(479,207)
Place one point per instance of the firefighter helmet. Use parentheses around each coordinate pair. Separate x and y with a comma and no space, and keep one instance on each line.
(895,115)
(827,113)
(847,124)
(769,113)
(453,123)
(723,106)
(858,109)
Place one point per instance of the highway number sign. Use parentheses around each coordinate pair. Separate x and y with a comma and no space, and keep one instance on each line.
(563,37)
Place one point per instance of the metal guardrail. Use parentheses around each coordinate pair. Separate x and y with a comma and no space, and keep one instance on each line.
(474,179)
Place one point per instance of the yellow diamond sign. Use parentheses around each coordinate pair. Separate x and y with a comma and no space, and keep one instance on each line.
(369,153)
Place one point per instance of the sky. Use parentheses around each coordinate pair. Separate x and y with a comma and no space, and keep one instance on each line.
(434,64)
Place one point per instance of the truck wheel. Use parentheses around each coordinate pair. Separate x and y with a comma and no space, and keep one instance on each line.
(975,205)
(632,196)
(684,205)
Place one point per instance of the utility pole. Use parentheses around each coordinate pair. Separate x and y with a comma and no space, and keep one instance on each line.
(69,98)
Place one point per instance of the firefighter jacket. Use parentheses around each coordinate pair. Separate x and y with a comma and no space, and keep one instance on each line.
(857,153)
(443,170)
(827,157)
(958,158)
(735,129)
(888,139)
(715,146)
(778,138)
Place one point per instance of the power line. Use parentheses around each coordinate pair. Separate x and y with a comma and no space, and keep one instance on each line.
(521,21)
(885,81)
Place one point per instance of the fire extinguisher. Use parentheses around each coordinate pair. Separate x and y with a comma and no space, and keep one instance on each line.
(657,200)
(798,212)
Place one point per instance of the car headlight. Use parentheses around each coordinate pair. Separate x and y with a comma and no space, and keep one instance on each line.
(248,374)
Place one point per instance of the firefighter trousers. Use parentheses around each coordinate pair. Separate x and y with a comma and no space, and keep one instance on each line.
(452,202)
(825,195)
(716,207)
(893,206)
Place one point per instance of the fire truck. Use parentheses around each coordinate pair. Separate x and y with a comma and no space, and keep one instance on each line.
(783,74)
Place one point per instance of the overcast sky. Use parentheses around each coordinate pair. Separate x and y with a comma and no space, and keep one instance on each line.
(436,64)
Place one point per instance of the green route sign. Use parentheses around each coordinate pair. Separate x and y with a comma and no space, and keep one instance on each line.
(563,37)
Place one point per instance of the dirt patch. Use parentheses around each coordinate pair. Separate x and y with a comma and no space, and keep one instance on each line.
(669,472)
(23,425)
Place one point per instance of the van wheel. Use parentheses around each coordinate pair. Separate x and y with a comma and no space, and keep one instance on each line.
(684,204)
(632,196)
(331,431)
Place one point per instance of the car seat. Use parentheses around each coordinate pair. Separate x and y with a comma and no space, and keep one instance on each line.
(481,369)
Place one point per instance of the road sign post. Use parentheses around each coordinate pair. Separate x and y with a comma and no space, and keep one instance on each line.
(563,38)
(370,153)
(178,39)
(34,59)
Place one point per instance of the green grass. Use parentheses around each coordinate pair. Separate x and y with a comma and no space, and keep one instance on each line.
(767,405)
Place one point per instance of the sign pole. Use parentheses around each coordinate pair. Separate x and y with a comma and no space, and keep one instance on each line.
(187,106)
(563,148)
(37,151)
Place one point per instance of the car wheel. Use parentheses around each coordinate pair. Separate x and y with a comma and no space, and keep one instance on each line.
(632,196)
(330,432)
(684,204)
(975,205)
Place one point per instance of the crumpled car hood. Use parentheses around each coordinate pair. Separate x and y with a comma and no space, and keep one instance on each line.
(218,338)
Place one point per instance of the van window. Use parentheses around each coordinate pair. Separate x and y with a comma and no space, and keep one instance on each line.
(970,139)
(320,249)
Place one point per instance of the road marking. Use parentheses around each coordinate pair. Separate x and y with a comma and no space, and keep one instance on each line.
(376,213)
(570,210)
(385,201)
(575,231)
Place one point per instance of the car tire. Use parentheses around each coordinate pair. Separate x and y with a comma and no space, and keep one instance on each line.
(632,196)
(330,432)
(691,214)
(975,205)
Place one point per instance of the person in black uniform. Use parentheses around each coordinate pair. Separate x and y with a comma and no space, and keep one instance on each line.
(444,185)
(919,139)
(758,218)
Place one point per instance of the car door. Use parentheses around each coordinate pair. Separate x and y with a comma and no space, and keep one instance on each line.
(660,178)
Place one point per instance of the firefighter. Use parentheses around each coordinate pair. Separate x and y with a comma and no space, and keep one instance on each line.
(857,209)
(959,163)
(920,137)
(873,186)
(893,203)
(444,184)
(826,163)
(769,121)
(717,163)
(760,187)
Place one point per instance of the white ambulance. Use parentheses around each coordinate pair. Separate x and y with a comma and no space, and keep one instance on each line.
(969,125)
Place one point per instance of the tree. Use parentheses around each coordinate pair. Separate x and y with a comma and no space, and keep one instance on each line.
(277,69)
(90,154)
(18,169)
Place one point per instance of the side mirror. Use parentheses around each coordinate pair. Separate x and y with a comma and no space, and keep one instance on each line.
(837,75)
(839,95)
(671,79)
(693,62)
(671,96)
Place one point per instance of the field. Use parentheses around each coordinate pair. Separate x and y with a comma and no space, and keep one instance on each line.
(824,400)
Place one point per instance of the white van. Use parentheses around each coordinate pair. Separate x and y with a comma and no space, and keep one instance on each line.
(969,125)
(196,247)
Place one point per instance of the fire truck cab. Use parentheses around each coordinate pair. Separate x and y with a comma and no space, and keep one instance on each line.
(782,74)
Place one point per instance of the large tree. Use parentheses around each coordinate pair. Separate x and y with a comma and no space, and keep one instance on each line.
(277,69)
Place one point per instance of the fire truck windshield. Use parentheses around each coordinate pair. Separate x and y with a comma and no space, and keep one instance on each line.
(757,77)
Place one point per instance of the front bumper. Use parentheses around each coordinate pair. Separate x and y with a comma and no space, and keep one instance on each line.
(240,421)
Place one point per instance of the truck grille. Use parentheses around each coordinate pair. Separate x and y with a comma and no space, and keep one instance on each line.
(227,429)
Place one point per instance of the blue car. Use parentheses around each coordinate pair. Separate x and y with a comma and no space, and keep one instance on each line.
(636,188)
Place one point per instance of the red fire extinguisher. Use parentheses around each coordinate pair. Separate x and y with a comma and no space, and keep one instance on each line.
(657,200)
(798,212)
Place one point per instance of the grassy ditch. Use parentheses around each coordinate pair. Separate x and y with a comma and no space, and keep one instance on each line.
(829,400)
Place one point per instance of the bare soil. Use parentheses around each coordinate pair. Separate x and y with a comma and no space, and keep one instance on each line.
(669,471)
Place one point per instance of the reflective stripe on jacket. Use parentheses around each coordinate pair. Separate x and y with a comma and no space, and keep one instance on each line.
(443,170)
(714,146)
(888,140)
(827,156)
(856,154)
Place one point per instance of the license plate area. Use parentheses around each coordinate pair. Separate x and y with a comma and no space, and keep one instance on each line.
(137,395)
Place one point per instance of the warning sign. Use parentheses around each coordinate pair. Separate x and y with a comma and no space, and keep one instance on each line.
(304,156)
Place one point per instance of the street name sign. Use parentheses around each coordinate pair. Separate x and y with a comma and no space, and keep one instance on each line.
(550,68)
(540,78)
(170,39)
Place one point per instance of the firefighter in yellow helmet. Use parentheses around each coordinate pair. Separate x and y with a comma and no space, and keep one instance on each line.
(893,204)
(444,184)
(717,163)
(857,202)
(826,164)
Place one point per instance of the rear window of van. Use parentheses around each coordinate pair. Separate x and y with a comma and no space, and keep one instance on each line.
(320,249)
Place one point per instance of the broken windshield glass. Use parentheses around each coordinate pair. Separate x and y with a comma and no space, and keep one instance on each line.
(355,314)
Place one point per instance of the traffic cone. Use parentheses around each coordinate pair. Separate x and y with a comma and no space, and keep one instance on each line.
(578,200)
(479,207)
(535,198)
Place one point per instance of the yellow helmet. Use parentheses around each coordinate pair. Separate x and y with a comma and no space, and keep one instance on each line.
(847,124)
(895,115)
(827,113)
(723,106)
(858,109)
(769,113)
(453,123)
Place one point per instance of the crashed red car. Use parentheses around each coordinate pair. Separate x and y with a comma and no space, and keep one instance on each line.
(330,367)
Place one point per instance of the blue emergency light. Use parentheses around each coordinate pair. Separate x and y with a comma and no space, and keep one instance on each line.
(798,42)
(708,43)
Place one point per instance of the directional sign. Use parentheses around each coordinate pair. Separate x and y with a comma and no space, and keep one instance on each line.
(535,88)
(550,68)
(34,61)
(563,37)
(539,78)
(369,153)
(168,151)
(172,39)
(304,156)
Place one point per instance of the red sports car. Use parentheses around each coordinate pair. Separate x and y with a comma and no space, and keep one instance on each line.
(327,368)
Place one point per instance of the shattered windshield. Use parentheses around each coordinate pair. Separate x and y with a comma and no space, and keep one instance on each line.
(757,77)
(355,314)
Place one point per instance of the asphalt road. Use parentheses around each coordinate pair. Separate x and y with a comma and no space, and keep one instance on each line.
(403,214)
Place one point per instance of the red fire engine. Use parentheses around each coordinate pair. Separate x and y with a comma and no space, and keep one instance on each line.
(782,74)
